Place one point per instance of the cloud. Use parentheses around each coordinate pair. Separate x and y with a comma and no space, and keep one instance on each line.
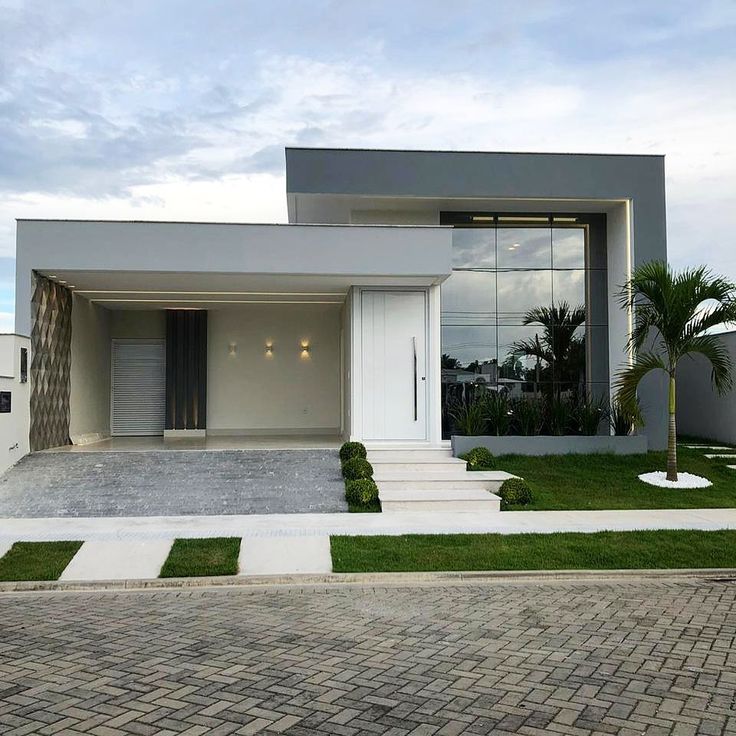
(102,114)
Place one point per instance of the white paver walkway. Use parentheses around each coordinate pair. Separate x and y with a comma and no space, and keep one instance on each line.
(285,555)
(708,447)
(5,545)
(116,560)
(311,525)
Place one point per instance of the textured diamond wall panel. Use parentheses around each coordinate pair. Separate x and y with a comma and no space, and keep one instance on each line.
(51,332)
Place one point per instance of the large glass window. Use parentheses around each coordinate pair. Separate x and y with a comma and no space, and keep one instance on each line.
(516,316)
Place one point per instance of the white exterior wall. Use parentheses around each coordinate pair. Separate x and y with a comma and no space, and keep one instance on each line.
(14,427)
(251,392)
(701,411)
(89,400)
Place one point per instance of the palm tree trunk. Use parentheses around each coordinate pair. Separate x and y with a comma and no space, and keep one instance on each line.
(672,435)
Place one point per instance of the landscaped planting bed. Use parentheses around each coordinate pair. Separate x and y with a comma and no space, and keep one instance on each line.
(562,551)
(37,560)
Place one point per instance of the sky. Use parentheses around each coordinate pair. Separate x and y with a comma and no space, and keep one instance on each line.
(172,109)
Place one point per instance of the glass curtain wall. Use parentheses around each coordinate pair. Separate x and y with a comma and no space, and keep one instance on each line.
(516,314)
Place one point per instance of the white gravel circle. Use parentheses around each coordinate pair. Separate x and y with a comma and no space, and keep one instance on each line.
(684,480)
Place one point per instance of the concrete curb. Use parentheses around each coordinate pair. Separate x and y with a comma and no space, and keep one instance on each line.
(367,579)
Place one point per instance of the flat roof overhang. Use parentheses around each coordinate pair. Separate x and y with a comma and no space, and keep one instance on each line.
(124,261)
(456,179)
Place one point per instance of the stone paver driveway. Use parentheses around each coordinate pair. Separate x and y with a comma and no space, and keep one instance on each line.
(173,483)
(626,657)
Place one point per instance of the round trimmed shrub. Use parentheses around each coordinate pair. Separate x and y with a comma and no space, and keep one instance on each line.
(515,492)
(480,458)
(357,468)
(349,450)
(363,491)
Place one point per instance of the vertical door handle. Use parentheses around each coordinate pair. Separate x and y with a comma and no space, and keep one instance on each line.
(414,349)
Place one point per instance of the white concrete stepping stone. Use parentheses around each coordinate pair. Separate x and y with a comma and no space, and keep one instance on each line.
(284,555)
(708,447)
(118,560)
(731,455)
(4,547)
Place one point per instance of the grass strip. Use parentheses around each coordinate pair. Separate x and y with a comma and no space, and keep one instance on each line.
(37,560)
(560,551)
(202,557)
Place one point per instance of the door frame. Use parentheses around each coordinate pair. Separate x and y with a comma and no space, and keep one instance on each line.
(432,389)
(113,342)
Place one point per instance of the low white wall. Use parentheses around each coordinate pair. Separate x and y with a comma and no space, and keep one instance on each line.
(89,400)
(701,411)
(251,392)
(14,426)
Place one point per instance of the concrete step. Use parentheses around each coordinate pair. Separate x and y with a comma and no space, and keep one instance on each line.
(435,500)
(433,464)
(407,454)
(489,480)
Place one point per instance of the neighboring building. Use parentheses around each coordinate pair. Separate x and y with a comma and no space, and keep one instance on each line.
(701,411)
(400,273)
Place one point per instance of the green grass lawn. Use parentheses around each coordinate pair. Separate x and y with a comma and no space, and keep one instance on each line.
(359,508)
(202,557)
(564,551)
(37,560)
(611,482)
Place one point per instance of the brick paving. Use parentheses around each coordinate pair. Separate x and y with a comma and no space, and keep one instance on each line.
(618,657)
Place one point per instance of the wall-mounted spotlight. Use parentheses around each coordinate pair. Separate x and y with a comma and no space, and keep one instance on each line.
(232,349)
(269,349)
(306,349)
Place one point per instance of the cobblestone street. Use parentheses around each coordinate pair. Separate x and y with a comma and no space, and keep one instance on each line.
(618,657)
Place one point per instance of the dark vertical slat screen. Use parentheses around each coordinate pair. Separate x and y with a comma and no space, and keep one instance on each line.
(186,369)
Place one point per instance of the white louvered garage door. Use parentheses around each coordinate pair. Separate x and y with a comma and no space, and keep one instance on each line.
(138,387)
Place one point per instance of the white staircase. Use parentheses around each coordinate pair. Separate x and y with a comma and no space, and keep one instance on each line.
(431,479)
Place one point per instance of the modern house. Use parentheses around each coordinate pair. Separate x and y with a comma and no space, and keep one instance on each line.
(401,277)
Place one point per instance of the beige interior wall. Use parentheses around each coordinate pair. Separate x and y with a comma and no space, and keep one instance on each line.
(89,400)
(138,323)
(251,392)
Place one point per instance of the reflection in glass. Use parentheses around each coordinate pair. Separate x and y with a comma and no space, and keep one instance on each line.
(524,247)
(509,338)
(473,247)
(569,286)
(568,247)
(558,347)
(520,291)
(468,349)
(469,296)
(515,319)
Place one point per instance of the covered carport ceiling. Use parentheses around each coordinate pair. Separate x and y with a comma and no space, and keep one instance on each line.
(157,290)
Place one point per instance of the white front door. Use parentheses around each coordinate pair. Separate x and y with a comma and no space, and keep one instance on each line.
(394,365)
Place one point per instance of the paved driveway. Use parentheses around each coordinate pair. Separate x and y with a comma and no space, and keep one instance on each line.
(630,657)
(57,484)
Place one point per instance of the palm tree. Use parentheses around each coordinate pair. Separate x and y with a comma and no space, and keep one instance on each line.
(559,347)
(673,313)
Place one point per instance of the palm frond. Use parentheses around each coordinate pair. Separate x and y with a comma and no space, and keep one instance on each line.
(712,347)
(628,380)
